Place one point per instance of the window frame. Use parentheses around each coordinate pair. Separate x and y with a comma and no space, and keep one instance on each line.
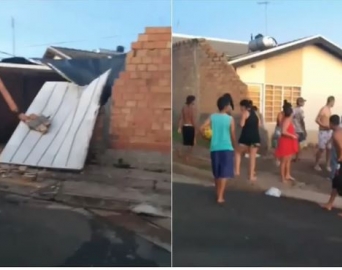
(283,86)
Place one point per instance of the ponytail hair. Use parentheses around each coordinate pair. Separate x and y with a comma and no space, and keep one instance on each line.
(287,108)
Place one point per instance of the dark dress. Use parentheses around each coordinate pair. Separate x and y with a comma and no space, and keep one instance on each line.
(250,132)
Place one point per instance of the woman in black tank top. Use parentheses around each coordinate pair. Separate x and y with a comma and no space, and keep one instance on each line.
(249,140)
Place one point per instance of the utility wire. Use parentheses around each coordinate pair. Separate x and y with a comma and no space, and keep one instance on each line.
(72,41)
(5,53)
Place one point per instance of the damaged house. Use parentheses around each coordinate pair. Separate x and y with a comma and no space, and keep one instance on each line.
(132,92)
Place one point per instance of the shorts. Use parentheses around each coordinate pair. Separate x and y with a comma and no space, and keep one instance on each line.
(323,138)
(222,164)
(301,137)
(188,133)
(337,180)
(253,141)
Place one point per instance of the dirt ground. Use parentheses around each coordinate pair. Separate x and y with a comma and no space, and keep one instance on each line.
(302,170)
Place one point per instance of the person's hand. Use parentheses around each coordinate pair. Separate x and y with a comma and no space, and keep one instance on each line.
(179,130)
(195,141)
(295,136)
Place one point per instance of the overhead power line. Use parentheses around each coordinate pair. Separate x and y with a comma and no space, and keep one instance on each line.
(75,41)
(6,53)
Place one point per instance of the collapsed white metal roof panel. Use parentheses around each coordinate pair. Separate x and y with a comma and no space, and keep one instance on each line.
(73,111)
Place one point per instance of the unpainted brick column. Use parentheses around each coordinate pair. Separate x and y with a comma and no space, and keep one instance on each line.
(217,77)
(199,70)
(141,108)
(184,75)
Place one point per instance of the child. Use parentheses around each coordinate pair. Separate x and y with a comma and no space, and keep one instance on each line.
(221,146)
(337,143)
(187,126)
(229,98)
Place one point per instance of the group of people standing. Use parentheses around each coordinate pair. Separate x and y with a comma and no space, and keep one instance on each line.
(225,151)
(289,133)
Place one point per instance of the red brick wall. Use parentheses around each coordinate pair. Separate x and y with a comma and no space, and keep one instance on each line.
(141,97)
(199,70)
(216,78)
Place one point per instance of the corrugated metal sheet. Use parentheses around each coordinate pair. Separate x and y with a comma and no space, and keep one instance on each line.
(23,85)
(73,111)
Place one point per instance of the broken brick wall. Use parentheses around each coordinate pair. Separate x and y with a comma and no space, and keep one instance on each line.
(199,70)
(140,120)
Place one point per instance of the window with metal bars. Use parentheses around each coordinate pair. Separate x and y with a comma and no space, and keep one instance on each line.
(274,98)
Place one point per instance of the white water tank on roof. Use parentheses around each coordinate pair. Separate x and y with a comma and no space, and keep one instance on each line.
(261,43)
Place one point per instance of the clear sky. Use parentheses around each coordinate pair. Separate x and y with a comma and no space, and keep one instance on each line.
(83,24)
(237,19)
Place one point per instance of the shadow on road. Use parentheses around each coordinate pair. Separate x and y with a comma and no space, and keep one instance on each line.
(117,248)
(38,236)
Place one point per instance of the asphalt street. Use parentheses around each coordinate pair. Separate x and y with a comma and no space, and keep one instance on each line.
(36,235)
(252,229)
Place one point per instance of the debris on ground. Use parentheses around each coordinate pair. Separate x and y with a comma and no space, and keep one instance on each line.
(149,210)
(274,192)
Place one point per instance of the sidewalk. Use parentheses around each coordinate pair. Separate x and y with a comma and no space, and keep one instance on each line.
(127,186)
(119,195)
(310,185)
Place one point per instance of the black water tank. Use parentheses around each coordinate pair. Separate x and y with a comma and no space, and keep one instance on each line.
(120,49)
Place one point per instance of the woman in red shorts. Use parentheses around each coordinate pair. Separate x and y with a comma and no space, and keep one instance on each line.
(287,143)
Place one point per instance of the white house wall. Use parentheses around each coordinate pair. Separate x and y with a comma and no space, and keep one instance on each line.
(322,77)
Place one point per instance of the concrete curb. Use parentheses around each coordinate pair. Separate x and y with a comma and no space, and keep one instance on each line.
(294,193)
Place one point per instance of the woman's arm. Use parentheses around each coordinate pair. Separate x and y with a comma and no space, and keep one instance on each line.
(279,118)
(243,118)
(260,125)
(232,132)
(180,121)
(284,131)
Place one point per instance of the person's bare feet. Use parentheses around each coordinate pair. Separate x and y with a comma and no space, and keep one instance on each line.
(290,178)
(326,206)
(285,181)
(237,173)
(253,179)
(318,168)
(220,201)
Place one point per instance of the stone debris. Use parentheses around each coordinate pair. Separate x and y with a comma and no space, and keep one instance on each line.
(22,169)
(147,209)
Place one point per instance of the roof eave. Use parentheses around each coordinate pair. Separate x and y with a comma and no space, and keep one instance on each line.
(57,52)
(318,39)
(208,38)
(25,67)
